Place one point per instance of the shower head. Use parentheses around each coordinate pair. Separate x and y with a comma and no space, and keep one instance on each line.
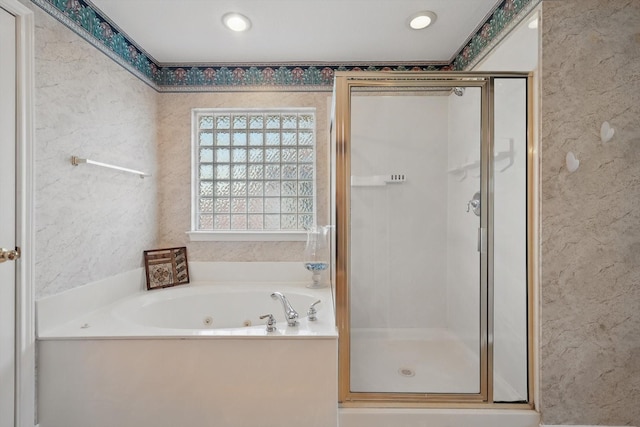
(458,90)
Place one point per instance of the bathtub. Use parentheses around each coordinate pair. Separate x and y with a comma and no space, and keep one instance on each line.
(210,310)
(202,309)
(192,355)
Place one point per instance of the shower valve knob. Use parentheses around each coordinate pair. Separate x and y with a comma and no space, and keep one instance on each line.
(474,204)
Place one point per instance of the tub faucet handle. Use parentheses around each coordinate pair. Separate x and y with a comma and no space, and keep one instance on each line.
(311,314)
(271,322)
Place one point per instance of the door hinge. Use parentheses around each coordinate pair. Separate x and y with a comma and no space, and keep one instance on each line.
(482,240)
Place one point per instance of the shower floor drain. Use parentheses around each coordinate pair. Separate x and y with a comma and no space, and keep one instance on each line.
(406,372)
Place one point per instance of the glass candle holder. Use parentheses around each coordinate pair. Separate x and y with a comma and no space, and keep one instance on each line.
(316,254)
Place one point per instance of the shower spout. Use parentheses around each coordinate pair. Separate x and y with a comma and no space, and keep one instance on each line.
(289,313)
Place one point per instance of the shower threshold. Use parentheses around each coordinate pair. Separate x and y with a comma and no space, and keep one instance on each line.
(385,417)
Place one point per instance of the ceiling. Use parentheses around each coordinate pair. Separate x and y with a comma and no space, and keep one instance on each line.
(328,31)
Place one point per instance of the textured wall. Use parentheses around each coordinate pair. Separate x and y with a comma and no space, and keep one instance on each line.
(174,171)
(91,222)
(590,286)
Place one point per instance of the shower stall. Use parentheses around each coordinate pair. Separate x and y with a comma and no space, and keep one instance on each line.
(432,268)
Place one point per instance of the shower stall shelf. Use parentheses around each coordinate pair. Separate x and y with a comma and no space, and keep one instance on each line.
(432,300)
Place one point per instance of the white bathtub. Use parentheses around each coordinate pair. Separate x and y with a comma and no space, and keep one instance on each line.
(150,360)
(203,309)
(214,307)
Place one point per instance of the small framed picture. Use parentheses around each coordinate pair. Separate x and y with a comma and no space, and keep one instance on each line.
(166,267)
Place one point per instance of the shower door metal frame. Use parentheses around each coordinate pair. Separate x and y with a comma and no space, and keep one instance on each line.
(345,84)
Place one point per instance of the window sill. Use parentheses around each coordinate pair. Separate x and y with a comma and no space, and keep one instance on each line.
(247,236)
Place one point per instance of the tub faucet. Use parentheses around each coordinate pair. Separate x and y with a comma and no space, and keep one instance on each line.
(289,313)
(271,322)
(311,314)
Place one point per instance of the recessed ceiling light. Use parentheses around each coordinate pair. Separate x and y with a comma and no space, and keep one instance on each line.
(421,20)
(236,22)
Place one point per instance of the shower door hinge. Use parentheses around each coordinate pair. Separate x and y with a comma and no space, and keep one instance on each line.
(482,240)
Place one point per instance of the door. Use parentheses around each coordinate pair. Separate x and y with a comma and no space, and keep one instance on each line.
(412,249)
(415,276)
(431,253)
(7,216)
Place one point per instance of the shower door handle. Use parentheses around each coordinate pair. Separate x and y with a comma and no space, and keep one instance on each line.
(482,240)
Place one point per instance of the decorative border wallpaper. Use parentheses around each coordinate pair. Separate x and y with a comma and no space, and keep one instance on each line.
(267,77)
(491,32)
(89,22)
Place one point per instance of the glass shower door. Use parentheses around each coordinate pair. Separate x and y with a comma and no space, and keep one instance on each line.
(417,245)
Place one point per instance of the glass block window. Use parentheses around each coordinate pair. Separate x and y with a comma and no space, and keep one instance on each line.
(254,170)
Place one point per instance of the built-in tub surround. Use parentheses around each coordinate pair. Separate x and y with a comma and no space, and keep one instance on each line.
(91,222)
(124,365)
(174,157)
